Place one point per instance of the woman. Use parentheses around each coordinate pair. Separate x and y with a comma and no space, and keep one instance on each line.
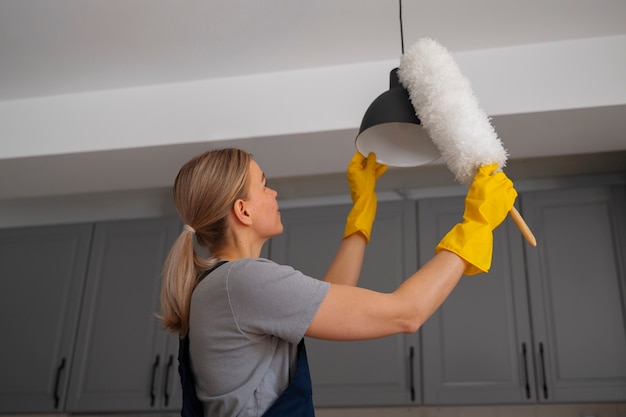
(244,318)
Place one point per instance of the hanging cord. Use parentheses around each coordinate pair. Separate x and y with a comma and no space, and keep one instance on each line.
(401,30)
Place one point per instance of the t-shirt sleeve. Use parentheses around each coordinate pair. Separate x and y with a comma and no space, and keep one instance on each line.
(271,299)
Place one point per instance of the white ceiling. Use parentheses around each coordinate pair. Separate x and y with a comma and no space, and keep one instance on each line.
(50,48)
(55,47)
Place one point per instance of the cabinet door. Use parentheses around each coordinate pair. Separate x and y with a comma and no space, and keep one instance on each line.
(576,281)
(362,373)
(120,351)
(41,282)
(477,346)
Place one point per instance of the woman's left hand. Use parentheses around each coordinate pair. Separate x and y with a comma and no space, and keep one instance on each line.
(362,175)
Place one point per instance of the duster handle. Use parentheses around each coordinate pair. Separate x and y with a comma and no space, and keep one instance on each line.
(523,227)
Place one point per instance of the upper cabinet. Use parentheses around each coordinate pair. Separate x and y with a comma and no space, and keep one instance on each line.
(577,285)
(479,347)
(376,372)
(41,285)
(78,306)
(477,343)
(124,361)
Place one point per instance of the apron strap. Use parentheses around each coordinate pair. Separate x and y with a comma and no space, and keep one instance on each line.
(192,407)
(297,399)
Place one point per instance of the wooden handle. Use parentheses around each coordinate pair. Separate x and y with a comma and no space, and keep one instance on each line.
(523,227)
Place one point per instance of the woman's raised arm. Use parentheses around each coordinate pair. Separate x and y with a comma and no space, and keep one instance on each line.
(351,313)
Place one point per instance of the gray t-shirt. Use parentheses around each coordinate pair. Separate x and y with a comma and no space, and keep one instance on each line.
(247,317)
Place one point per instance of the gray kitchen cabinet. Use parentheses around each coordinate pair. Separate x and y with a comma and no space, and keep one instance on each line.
(357,373)
(124,361)
(547,324)
(41,284)
(577,284)
(475,345)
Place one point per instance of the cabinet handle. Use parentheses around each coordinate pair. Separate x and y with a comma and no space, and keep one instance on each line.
(526,384)
(166,393)
(411,372)
(155,365)
(543,371)
(57,397)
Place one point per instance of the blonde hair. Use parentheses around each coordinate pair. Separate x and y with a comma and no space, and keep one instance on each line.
(205,190)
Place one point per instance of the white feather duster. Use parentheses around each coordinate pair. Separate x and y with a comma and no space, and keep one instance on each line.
(449,110)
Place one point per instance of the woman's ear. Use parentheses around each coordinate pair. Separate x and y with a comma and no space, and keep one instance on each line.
(240,210)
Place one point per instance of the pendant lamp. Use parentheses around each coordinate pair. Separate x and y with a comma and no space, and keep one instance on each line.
(391,129)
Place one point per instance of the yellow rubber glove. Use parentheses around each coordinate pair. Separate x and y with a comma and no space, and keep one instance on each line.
(489,199)
(362,175)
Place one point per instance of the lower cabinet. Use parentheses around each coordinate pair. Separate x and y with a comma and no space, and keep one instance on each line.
(547,324)
(42,272)
(124,361)
(362,373)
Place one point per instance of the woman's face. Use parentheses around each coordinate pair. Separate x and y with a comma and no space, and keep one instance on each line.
(262,204)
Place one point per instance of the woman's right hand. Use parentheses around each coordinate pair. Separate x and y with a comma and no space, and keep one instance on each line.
(489,200)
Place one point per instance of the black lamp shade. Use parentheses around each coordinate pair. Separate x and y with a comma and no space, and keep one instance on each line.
(391,129)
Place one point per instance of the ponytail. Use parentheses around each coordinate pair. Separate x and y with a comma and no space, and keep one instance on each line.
(204,192)
(181,274)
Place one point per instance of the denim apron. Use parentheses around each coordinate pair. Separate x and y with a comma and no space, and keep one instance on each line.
(295,401)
